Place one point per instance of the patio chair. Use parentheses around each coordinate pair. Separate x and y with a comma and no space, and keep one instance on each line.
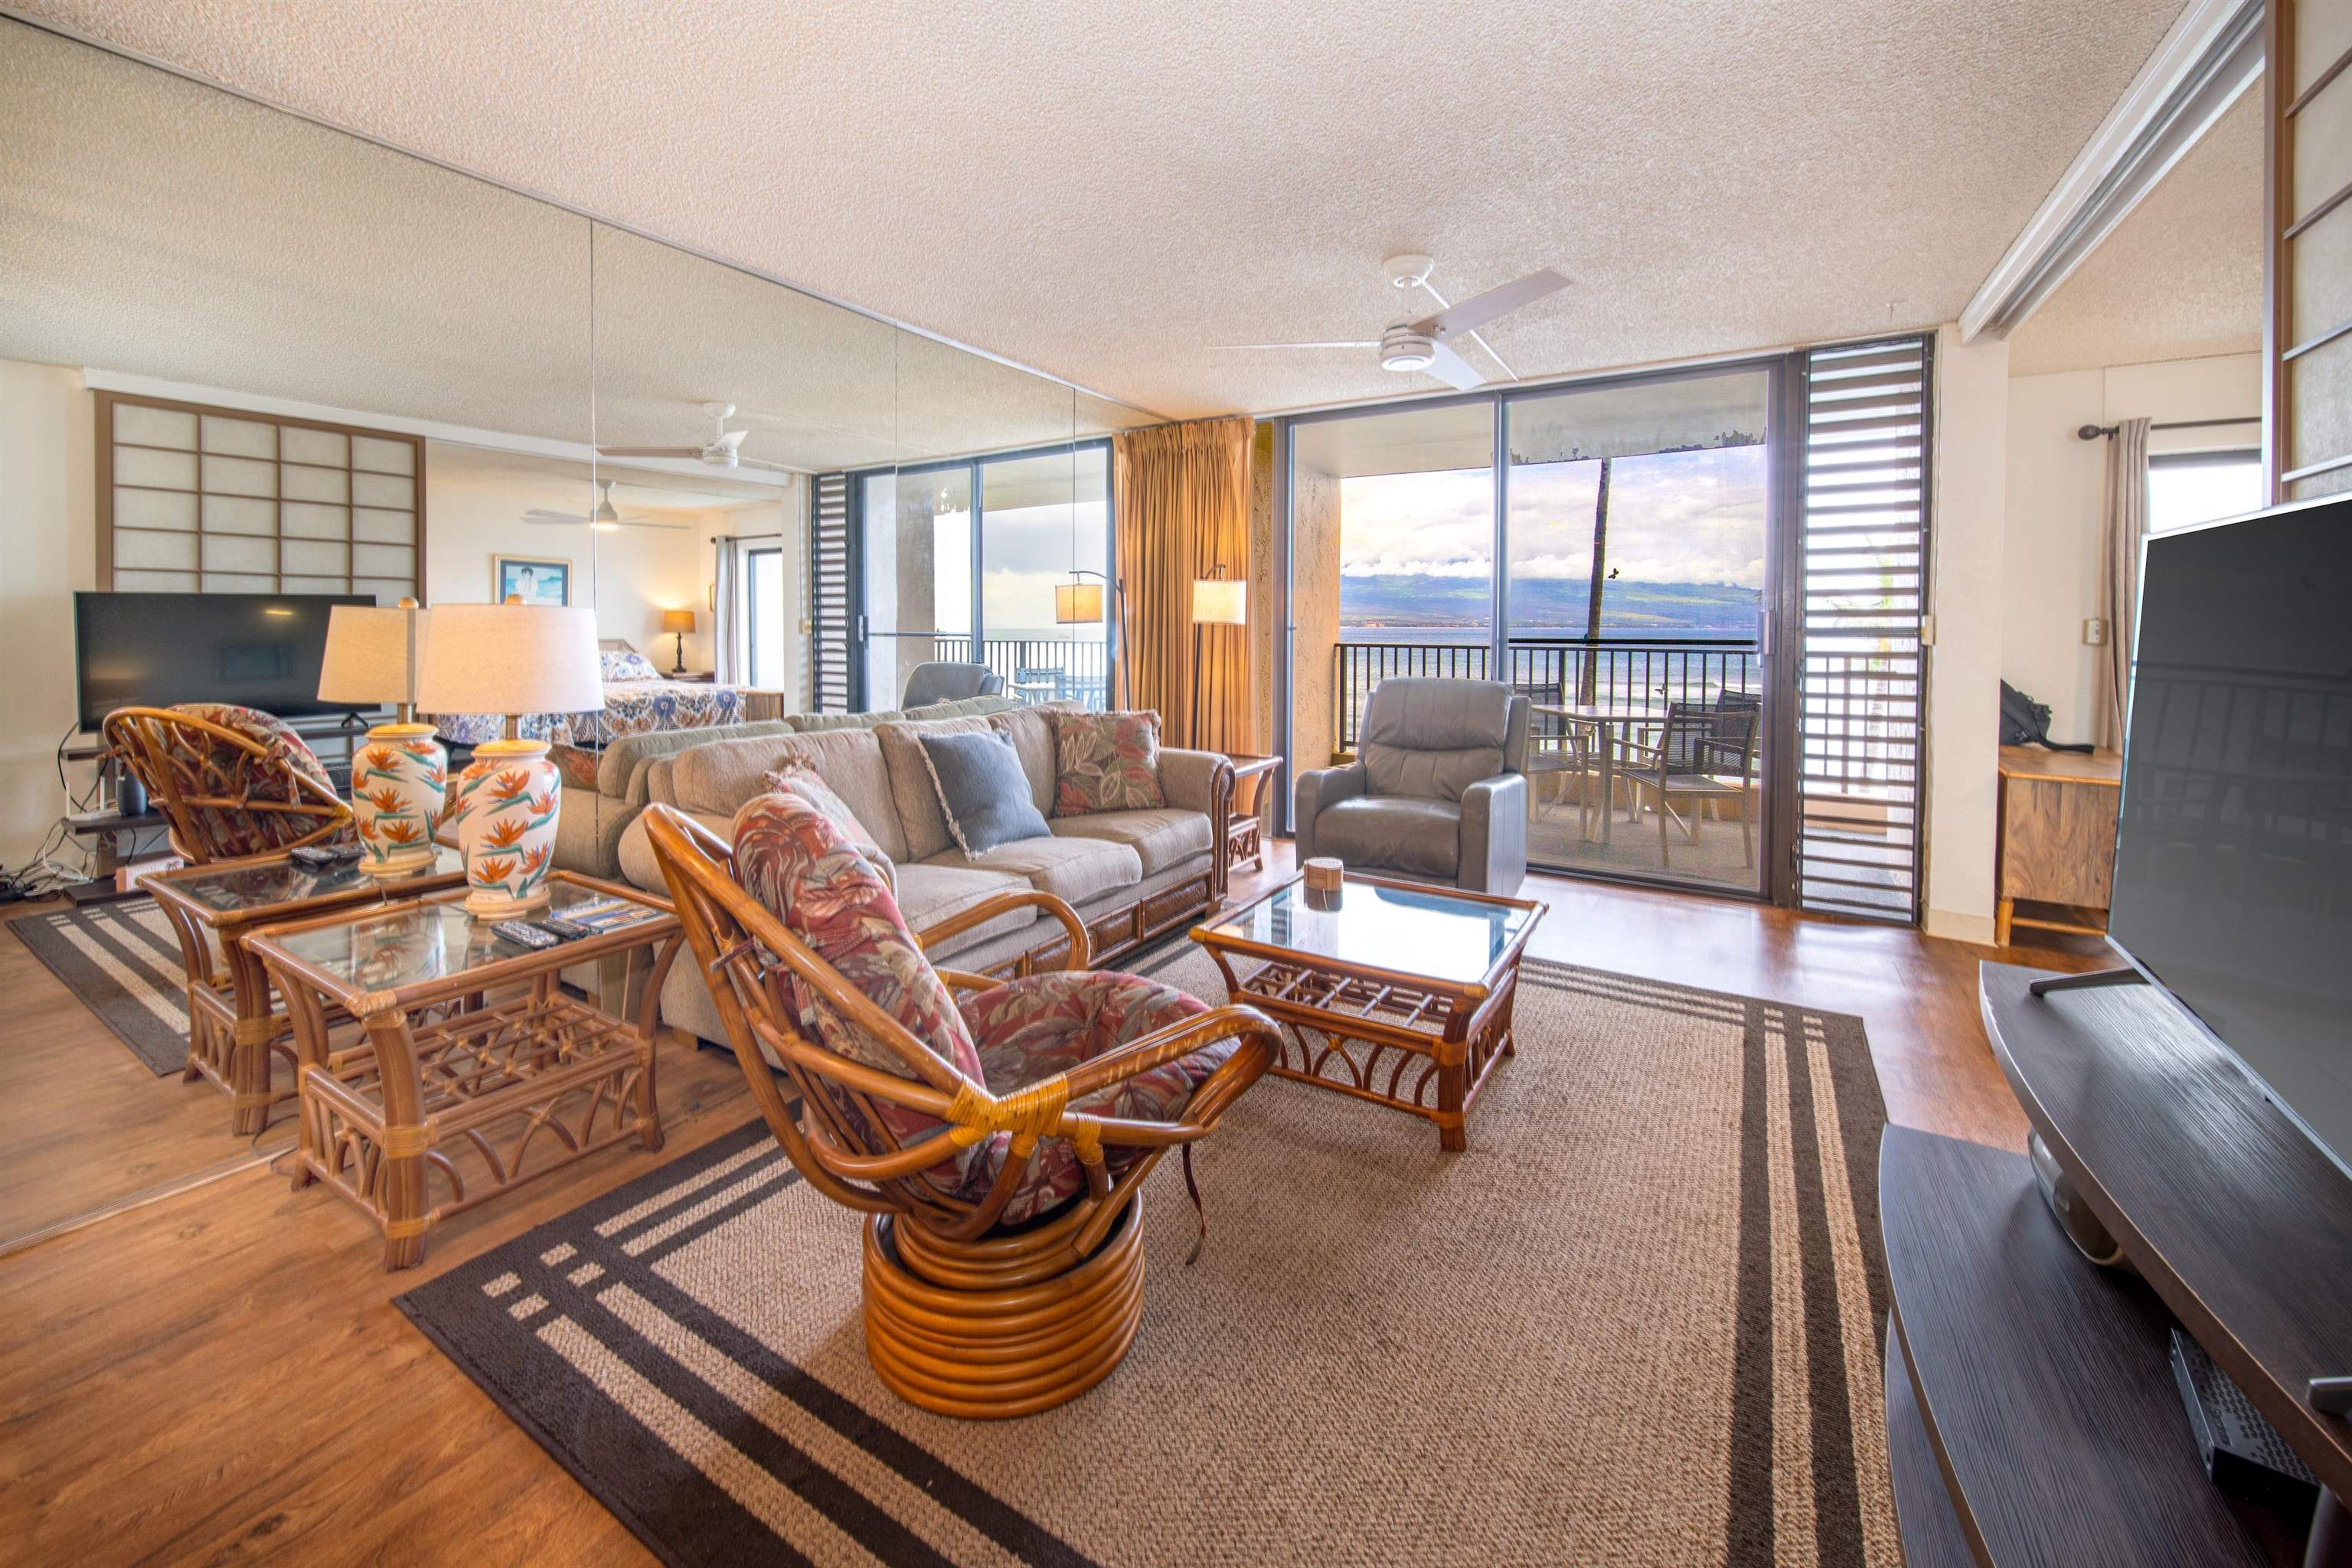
(231,782)
(1565,752)
(1701,753)
(995,1135)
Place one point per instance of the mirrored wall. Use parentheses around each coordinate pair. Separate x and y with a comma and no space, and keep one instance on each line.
(245,353)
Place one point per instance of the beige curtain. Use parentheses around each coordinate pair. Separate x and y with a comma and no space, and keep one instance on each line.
(2124,523)
(1181,498)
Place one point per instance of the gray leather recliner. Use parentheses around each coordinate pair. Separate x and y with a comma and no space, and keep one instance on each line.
(944,682)
(1438,792)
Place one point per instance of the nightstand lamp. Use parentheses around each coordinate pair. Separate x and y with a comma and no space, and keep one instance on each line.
(510,659)
(681,622)
(400,778)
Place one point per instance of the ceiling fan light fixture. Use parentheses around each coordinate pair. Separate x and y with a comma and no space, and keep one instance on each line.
(1403,349)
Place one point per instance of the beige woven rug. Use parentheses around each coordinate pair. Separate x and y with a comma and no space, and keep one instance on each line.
(1637,1322)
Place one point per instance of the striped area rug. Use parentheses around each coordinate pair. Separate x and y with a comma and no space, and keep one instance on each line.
(1637,1322)
(123,963)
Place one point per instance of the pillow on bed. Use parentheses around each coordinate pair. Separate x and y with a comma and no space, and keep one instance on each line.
(626,664)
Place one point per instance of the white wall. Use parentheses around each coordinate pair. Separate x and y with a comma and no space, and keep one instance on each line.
(1964,666)
(48,533)
(2050,573)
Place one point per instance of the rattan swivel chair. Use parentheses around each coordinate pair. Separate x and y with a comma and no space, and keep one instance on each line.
(231,782)
(996,1134)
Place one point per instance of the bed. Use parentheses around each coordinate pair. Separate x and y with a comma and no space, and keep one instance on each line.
(636,700)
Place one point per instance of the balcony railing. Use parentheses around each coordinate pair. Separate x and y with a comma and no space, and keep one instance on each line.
(1039,669)
(1640,674)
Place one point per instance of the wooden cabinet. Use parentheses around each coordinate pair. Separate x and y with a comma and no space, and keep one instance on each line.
(2056,856)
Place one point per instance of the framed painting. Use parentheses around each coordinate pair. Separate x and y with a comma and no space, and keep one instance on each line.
(533,579)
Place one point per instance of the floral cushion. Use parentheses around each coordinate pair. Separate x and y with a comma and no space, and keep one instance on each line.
(1033,1027)
(227,834)
(1106,762)
(790,857)
(799,779)
(577,765)
(626,664)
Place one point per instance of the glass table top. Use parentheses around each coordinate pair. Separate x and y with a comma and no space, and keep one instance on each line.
(1428,932)
(237,890)
(410,944)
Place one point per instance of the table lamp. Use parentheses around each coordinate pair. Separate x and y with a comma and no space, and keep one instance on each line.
(681,622)
(400,778)
(510,659)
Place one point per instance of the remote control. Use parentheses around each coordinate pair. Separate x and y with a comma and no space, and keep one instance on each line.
(564,930)
(319,855)
(523,933)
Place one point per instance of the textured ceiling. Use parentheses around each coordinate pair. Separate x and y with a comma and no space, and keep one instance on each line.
(205,239)
(1102,191)
(2180,277)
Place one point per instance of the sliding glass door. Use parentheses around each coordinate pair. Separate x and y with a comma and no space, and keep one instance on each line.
(961,561)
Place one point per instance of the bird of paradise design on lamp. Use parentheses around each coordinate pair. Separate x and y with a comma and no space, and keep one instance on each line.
(400,778)
(510,659)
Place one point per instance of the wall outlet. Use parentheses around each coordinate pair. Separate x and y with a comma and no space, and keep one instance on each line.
(2095,633)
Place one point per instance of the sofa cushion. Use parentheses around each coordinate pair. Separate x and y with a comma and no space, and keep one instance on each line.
(959,708)
(982,792)
(1031,731)
(1106,762)
(1160,838)
(719,778)
(930,894)
(816,723)
(921,822)
(627,759)
(1400,833)
(1072,870)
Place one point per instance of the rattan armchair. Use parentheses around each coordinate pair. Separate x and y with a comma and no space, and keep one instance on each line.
(230,782)
(968,1311)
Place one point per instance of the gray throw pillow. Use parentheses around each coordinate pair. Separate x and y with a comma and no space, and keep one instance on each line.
(981,789)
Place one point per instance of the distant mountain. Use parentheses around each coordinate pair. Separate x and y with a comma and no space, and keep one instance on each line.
(1627,607)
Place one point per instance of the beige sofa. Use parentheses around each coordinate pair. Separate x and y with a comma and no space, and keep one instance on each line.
(1132,876)
(588,833)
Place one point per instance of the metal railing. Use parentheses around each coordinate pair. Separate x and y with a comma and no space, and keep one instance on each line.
(1636,674)
(1039,669)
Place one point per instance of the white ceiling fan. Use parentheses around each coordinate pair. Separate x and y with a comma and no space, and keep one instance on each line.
(1427,344)
(723,451)
(603,519)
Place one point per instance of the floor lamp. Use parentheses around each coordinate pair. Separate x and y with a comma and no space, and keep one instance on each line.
(1077,603)
(1217,601)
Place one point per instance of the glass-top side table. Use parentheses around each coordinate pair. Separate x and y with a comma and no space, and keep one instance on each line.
(475,1068)
(234,1031)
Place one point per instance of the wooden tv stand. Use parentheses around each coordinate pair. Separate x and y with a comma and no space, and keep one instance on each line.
(2035,1394)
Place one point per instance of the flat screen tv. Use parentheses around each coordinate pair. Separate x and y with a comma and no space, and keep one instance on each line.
(2233,853)
(262,651)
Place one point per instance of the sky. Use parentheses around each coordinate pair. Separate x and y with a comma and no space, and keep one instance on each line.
(1679,516)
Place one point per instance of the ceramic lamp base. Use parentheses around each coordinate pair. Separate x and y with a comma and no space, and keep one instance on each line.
(504,808)
(400,779)
(491,905)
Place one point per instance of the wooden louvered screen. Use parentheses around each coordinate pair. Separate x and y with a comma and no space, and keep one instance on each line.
(832,597)
(1862,674)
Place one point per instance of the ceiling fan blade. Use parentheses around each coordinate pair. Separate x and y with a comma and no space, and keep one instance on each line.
(649,451)
(1481,308)
(1450,368)
(1355,343)
(540,514)
(649,522)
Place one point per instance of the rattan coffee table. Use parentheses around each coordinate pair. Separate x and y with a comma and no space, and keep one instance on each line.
(477,1069)
(1393,991)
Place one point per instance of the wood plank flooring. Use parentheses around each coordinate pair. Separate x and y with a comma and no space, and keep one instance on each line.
(220,1377)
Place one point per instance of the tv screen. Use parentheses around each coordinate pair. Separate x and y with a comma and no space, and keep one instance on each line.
(261,650)
(2233,857)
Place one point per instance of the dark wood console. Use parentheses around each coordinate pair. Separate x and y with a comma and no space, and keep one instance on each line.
(2039,1384)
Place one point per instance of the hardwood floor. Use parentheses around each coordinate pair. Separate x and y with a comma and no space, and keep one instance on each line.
(220,1376)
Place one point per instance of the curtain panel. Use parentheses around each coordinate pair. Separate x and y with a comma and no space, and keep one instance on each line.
(1182,501)
(726,613)
(2123,525)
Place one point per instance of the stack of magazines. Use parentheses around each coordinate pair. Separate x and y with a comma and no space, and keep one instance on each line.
(603,915)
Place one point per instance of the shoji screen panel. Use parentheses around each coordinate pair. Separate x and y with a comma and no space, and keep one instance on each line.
(196,499)
(2309,99)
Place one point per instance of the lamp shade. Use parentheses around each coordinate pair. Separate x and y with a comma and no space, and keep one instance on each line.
(374,656)
(510,658)
(678,620)
(1076,603)
(1220,602)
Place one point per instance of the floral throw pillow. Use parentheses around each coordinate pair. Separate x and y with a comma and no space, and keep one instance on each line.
(1106,762)
(801,780)
(626,664)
